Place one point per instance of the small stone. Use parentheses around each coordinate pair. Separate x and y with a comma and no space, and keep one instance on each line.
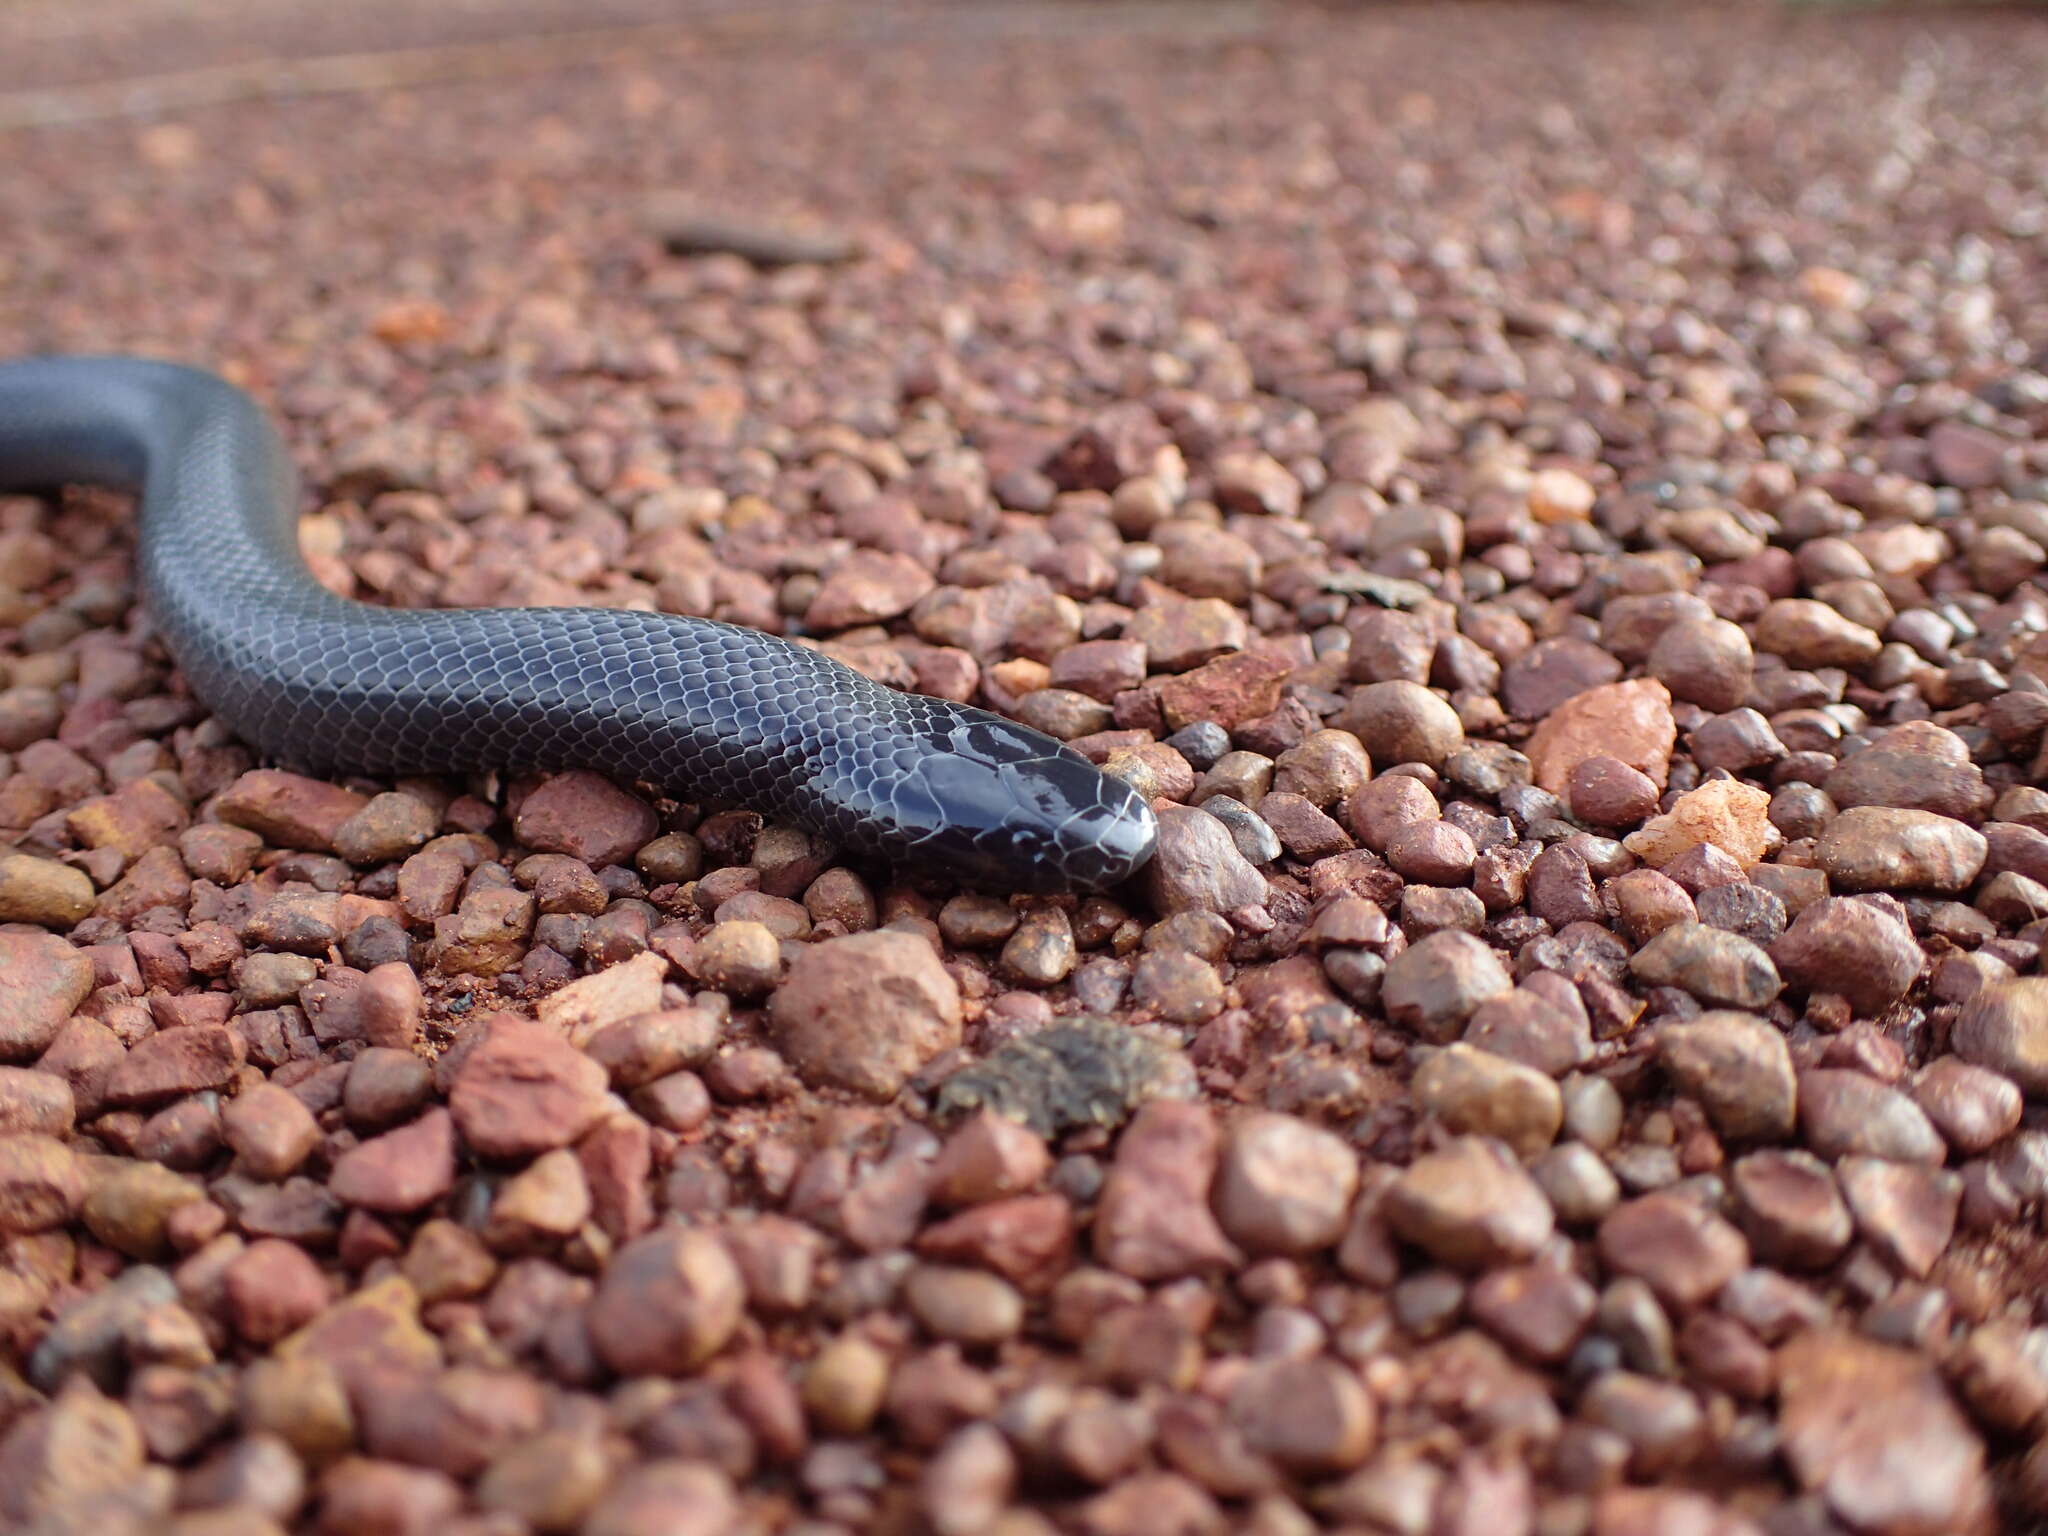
(1153,1220)
(1682,1250)
(1537,1310)
(41,1184)
(865,1011)
(1607,793)
(2005,1028)
(35,1101)
(1846,1114)
(1434,985)
(1229,690)
(130,1209)
(272,1289)
(867,586)
(1314,1417)
(525,1090)
(1470,1206)
(547,1481)
(666,1498)
(43,979)
(737,957)
(668,1302)
(1907,1213)
(1973,1108)
(1284,1186)
(288,809)
(1716,966)
(1402,722)
(1878,848)
(966,1306)
(1724,813)
(1474,1092)
(1918,766)
(1806,633)
(1739,1069)
(1630,722)
(43,891)
(1851,947)
(389,827)
(175,1062)
(1872,1429)
(965,1486)
(1705,661)
(402,1170)
(587,817)
(593,1003)
(270,1131)
(1788,1203)
(1042,952)
(1198,867)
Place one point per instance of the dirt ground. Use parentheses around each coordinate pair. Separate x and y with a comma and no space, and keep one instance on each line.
(1549,503)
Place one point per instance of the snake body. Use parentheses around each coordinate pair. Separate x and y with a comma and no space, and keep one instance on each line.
(707,711)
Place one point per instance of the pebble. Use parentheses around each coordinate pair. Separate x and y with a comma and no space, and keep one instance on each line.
(35,1102)
(288,809)
(1739,1069)
(41,1183)
(1973,1108)
(667,1303)
(130,1209)
(2004,1027)
(1630,723)
(1873,1431)
(524,1090)
(1719,968)
(1607,793)
(1313,1417)
(270,1131)
(587,817)
(1788,1203)
(1153,1220)
(1437,983)
(402,1170)
(43,979)
(1918,766)
(1402,722)
(1805,633)
(1878,848)
(1846,1114)
(175,1062)
(1906,1213)
(1283,1186)
(966,1306)
(43,891)
(666,1497)
(389,827)
(1474,1092)
(1538,1311)
(865,1011)
(1726,814)
(1198,867)
(1678,1247)
(1854,948)
(1703,661)
(1471,1206)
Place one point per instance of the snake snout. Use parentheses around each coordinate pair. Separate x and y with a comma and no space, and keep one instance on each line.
(1013,805)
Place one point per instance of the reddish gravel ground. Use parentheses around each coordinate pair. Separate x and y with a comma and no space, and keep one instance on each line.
(1551,503)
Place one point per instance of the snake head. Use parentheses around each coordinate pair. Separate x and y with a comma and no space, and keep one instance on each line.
(1011,808)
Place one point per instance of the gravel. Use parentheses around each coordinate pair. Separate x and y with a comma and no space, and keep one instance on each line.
(1573,1064)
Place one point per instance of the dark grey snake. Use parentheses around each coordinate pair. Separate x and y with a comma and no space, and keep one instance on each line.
(705,710)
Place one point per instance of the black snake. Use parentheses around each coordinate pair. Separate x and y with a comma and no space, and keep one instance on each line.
(705,710)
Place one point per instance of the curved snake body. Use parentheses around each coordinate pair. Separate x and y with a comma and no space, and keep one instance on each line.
(705,710)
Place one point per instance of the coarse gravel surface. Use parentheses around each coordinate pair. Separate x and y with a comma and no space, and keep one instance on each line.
(1551,504)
